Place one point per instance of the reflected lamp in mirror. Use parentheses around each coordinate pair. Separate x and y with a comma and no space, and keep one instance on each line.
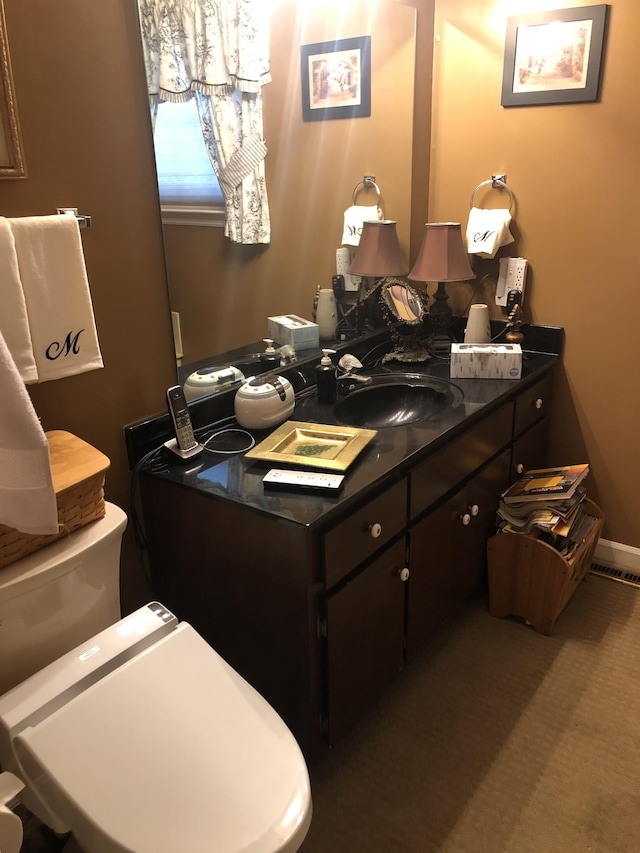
(377,257)
(442,258)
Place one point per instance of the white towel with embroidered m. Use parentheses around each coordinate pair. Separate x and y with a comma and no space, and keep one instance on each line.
(487,231)
(27,495)
(14,324)
(56,291)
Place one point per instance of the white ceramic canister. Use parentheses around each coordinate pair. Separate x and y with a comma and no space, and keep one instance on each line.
(327,314)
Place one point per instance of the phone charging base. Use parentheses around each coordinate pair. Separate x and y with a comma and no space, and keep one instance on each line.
(172,445)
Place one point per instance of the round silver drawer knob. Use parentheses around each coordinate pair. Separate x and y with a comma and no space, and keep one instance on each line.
(465,519)
(519,468)
(474,509)
(375,530)
(539,403)
(404,574)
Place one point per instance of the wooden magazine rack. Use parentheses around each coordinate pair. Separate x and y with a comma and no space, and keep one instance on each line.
(530,579)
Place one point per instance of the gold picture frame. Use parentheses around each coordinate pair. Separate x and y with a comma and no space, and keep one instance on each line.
(11,155)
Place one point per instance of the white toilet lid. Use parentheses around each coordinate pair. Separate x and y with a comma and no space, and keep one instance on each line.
(172,751)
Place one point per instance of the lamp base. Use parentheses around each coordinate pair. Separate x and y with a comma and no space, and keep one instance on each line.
(441,317)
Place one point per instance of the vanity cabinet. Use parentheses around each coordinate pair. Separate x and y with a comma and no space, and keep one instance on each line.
(320,615)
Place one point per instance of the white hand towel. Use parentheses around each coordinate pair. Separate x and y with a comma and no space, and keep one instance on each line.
(14,324)
(56,290)
(27,494)
(487,231)
(354,217)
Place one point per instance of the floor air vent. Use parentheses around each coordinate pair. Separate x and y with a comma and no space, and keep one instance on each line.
(615,574)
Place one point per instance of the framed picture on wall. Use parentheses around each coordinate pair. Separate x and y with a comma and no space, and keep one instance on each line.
(11,158)
(554,57)
(336,79)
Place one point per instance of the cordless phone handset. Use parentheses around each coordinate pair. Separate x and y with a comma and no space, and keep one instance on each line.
(185,443)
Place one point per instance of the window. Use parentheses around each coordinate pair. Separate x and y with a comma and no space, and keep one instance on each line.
(189,190)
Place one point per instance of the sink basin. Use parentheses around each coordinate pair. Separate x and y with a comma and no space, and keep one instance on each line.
(396,401)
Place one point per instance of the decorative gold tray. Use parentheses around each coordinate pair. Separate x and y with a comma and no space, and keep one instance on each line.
(313,445)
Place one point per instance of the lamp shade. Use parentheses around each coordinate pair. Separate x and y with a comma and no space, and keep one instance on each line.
(379,253)
(442,256)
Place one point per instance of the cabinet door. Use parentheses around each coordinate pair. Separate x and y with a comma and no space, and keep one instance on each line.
(365,638)
(447,552)
(530,450)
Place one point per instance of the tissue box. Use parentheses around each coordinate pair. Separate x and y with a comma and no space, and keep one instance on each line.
(486,361)
(293,330)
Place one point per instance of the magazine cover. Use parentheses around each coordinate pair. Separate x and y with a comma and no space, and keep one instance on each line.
(546,484)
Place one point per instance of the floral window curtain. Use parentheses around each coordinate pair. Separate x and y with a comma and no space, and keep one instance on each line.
(218,52)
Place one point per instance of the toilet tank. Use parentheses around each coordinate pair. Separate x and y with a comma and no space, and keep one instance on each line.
(58,597)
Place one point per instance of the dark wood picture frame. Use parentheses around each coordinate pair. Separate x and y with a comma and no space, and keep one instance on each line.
(11,157)
(336,79)
(554,57)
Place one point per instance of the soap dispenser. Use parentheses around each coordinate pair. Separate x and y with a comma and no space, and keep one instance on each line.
(269,359)
(326,378)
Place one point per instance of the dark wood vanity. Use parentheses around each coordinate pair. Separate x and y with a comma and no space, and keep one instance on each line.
(320,601)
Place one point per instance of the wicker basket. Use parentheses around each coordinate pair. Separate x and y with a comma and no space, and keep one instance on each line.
(78,471)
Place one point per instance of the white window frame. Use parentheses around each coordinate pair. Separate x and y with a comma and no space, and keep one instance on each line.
(174,213)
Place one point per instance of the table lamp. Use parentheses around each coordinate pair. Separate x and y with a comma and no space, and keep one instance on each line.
(378,256)
(442,258)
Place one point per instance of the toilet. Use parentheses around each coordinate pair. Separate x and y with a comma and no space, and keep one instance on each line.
(136,736)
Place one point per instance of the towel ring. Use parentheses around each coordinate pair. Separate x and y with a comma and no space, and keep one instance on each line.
(369,183)
(498,183)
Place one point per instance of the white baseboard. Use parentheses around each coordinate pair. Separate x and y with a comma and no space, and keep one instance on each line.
(615,555)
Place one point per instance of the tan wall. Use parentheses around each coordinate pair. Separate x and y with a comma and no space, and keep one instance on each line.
(83,110)
(574,172)
(225,292)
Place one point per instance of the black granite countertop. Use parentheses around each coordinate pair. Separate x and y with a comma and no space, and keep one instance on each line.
(388,457)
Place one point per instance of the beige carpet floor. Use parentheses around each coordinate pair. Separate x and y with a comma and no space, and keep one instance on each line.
(498,740)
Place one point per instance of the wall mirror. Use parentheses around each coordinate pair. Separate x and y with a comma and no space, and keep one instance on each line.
(11,156)
(223,292)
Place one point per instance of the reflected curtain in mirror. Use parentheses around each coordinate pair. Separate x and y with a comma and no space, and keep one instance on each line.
(11,157)
(218,52)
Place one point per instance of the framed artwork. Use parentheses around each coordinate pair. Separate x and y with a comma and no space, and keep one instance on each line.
(554,57)
(11,158)
(336,79)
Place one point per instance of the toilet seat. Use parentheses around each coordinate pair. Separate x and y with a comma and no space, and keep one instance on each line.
(172,750)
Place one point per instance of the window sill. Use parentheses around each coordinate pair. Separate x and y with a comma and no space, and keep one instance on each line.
(207,216)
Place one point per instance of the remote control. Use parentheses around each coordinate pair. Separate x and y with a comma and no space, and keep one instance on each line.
(304,481)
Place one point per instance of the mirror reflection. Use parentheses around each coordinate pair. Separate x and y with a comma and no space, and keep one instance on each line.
(221,291)
(404,309)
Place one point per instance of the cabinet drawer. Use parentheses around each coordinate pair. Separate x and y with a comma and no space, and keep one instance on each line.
(366,530)
(442,472)
(532,405)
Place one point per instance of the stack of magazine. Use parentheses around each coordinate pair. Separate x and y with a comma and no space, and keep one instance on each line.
(548,503)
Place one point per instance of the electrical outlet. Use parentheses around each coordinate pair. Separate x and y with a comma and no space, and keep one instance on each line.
(512,278)
(344,257)
(520,274)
